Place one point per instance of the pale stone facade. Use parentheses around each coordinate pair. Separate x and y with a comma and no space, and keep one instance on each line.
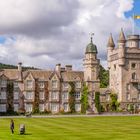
(50,89)
(124,69)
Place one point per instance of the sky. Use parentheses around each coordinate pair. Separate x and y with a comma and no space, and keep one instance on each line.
(42,33)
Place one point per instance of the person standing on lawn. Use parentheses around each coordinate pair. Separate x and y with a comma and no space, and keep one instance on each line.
(12,126)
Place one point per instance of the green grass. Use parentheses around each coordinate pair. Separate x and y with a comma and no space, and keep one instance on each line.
(82,128)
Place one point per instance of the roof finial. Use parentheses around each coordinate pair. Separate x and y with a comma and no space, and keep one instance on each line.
(91,34)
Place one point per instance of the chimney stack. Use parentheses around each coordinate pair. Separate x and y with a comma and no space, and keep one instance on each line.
(68,67)
(58,67)
(19,66)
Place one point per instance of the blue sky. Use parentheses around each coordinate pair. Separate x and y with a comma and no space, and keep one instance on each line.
(136,11)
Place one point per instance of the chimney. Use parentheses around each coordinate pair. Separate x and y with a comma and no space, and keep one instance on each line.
(19,66)
(20,71)
(68,67)
(58,67)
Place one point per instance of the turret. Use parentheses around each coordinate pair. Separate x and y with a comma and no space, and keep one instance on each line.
(121,48)
(91,72)
(110,47)
(133,41)
(90,62)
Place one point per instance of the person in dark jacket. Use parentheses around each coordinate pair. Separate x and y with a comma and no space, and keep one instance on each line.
(12,126)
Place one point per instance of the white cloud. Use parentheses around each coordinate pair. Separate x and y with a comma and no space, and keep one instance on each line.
(47,32)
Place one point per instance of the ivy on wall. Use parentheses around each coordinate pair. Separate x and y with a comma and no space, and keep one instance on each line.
(36,98)
(72,97)
(114,104)
(97,102)
(84,99)
(10,87)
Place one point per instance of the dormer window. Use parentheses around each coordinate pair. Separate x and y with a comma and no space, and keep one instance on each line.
(41,84)
(78,84)
(15,84)
(3,83)
(65,85)
(29,84)
(54,84)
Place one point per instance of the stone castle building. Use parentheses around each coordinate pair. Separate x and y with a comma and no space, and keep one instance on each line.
(124,69)
(22,89)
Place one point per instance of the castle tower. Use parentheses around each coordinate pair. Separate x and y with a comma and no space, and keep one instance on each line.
(91,71)
(124,64)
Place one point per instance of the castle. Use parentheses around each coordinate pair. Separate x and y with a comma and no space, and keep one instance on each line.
(20,89)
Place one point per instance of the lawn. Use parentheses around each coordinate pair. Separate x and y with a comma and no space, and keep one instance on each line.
(74,128)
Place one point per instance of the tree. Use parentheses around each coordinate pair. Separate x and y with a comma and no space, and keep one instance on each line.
(114,104)
(72,97)
(84,99)
(104,77)
(97,102)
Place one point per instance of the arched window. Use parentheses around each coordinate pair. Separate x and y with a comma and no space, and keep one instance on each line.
(134,76)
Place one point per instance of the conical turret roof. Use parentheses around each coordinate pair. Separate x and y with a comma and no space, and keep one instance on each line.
(111,42)
(122,37)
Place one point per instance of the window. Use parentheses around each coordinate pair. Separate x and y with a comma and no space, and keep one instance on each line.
(77,107)
(16,106)
(127,96)
(54,95)
(29,84)
(3,83)
(29,95)
(54,107)
(41,84)
(15,84)
(2,107)
(65,85)
(114,66)
(78,84)
(16,95)
(139,96)
(65,95)
(133,65)
(54,84)
(127,86)
(77,95)
(139,86)
(28,107)
(107,97)
(3,95)
(138,106)
(134,77)
(41,107)
(41,95)
(66,107)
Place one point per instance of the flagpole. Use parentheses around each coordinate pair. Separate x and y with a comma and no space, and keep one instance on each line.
(133,25)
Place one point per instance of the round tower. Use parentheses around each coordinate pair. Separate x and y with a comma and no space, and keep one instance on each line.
(133,41)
